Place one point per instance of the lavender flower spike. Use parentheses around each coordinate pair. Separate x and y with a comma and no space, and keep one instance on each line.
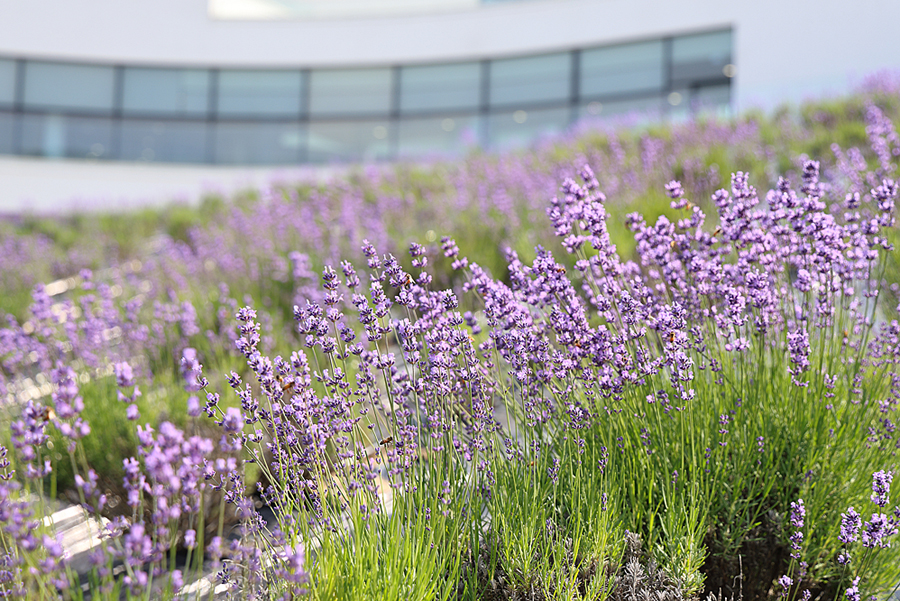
(852,593)
(851,522)
(881,487)
(798,512)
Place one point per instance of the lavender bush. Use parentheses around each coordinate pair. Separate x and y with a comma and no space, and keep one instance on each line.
(418,423)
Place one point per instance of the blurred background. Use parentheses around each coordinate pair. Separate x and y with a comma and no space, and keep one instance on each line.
(106,103)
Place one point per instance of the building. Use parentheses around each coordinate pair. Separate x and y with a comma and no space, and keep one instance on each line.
(288,82)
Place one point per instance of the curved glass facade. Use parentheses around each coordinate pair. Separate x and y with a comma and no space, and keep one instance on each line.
(291,116)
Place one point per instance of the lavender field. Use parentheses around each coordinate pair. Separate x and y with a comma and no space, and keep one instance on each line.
(655,363)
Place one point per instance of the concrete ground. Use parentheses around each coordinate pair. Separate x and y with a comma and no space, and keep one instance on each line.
(43,186)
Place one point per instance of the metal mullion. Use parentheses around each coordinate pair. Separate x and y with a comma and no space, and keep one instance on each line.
(667,73)
(485,101)
(115,141)
(394,114)
(212,106)
(575,86)
(305,91)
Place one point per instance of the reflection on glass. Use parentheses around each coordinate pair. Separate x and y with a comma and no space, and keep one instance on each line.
(6,133)
(678,105)
(350,91)
(622,112)
(263,93)
(348,141)
(165,91)
(702,56)
(438,137)
(520,128)
(622,69)
(258,143)
(518,81)
(7,81)
(65,136)
(438,87)
(166,141)
(68,86)
(714,100)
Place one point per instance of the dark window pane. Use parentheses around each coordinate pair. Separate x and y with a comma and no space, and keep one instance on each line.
(166,91)
(622,69)
(349,141)
(264,93)
(437,87)
(520,128)
(447,136)
(165,141)
(64,136)
(519,81)
(6,133)
(350,91)
(258,143)
(7,81)
(701,56)
(66,86)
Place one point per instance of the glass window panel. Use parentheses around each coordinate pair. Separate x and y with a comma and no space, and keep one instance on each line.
(66,86)
(258,143)
(520,128)
(349,141)
(518,81)
(7,121)
(164,141)
(678,105)
(622,69)
(166,91)
(701,56)
(715,100)
(437,87)
(7,81)
(626,112)
(438,137)
(64,136)
(350,91)
(272,93)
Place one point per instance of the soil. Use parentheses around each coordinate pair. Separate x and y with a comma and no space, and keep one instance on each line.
(751,572)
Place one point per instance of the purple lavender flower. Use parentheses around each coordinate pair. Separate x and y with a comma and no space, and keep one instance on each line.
(798,513)
(191,370)
(675,191)
(852,593)
(193,406)
(878,530)
(851,522)
(785,582)
(293,567)
(233,420)
(881,487)
(124,374)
